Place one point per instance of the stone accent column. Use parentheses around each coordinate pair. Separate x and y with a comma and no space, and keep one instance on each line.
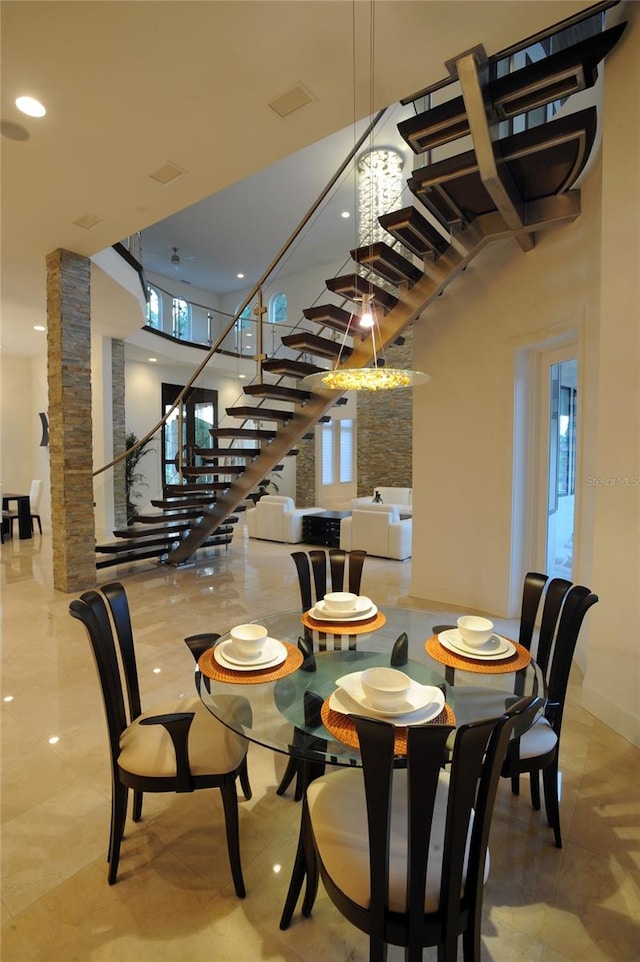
(119,431)
(306,474)
(385,429)
(70,424)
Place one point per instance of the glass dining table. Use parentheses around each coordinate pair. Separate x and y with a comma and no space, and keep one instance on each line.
(288,707)
(290,703)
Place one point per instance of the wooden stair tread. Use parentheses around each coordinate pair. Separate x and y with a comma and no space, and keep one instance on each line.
(388,263)
(164,529)
(329,315)
(277,392)
(555,77)
(288,367)
(414,231)
(353,287)
(256,434)
(187,501)
(237,452)
(259,413)
(315,344)
(542,162)
(211,454)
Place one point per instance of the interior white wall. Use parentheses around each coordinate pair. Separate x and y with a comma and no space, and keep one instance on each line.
(611,687)
(581,278)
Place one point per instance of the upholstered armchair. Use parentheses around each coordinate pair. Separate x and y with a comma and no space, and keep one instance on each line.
(276,518)
(402,498)
(378,530)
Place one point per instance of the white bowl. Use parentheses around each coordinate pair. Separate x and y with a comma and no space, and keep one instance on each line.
(475,631)
(340,601)
(385,687)
(248,640)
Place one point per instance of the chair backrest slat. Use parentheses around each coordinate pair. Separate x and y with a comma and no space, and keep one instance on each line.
(577,603)
(117,599)
(532,589)
(554,597)
(91,610)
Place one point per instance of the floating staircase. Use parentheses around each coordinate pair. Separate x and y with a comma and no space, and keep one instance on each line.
(514,187)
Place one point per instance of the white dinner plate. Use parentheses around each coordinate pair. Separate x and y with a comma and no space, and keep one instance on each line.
(418,698)
(496,649)
(273,654)
(343,703)
(364,608)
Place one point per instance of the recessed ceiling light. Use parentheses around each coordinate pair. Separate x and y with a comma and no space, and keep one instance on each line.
(240,276)
(242,376)
(345,213)
(39,327)
(30,106)
(153,360)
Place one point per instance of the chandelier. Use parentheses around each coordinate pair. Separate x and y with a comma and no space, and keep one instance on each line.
(378,377)
(379,189)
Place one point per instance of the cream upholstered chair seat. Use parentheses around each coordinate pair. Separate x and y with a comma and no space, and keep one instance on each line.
(148,750)
(333,836)
(378,530)
(276,518)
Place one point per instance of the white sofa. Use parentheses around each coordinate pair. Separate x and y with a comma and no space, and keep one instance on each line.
(378,530)
(402,498)
(276,518)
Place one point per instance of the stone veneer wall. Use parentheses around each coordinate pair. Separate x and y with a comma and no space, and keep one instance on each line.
(70,426)
(385,428)
(306,474)
(119,431)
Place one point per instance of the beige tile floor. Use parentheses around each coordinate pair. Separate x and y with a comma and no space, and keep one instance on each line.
(173,899)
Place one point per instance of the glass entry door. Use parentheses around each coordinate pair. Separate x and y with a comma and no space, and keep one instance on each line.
(197,413)
(562,399)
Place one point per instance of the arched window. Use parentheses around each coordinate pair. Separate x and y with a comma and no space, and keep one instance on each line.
(278,308)
(181,316)
(154,308)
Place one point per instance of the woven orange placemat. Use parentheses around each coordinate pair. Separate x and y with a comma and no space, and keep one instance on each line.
(342,727)
(520,659)
(210,667)
(344,627)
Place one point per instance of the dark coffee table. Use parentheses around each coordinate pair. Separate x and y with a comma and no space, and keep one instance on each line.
(323,528)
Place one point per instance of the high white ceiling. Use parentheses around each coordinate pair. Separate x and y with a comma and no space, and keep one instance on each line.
(132,86)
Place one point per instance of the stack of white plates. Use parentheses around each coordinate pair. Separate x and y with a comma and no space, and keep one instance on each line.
(496,649)
(272,655)
(423,702)
(363,608)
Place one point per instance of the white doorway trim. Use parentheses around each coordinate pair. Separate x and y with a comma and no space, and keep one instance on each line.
(528,426)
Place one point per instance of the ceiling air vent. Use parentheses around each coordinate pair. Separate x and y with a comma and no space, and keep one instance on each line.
(295,98)
(164,175)
(87,221)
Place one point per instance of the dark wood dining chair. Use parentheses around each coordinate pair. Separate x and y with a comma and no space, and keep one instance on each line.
(406,860)
(179,747)
(197,645)
(537,750)
(320,571)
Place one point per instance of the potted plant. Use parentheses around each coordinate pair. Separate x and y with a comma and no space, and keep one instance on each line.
(132,477)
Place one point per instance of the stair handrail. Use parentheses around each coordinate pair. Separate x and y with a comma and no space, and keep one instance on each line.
(254,290)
